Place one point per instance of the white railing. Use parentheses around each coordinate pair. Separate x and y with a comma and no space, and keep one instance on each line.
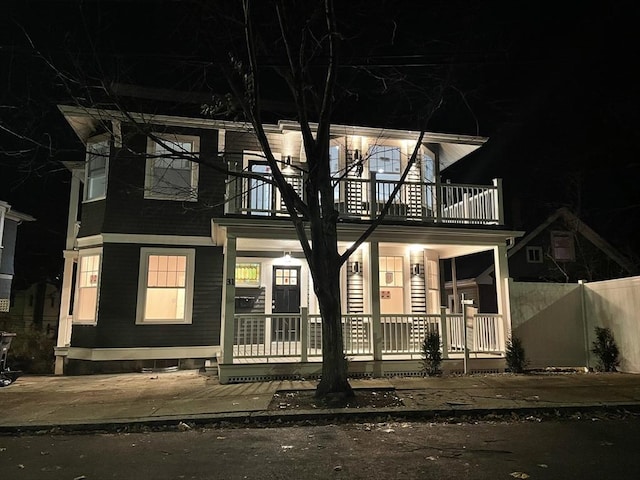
(365,198)
(487,333)
(471,204)
(299,336)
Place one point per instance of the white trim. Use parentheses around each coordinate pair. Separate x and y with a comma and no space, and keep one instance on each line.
(145,252)
(142,353)
(73,114)
(91,142)
(89,252)
(190,240)
(192,195)
(6,276)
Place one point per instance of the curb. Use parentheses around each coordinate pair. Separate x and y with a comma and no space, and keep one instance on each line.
(264,418)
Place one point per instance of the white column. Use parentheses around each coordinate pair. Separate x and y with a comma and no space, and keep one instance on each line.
(65,318)
(502,288)
(374,286)
(228,300)
(74,201)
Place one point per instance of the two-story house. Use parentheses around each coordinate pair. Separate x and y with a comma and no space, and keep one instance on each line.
(10,219)
(170,261)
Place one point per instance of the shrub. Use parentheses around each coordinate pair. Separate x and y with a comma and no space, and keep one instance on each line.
(431,354)
(32,352)
(515,355)
(606,349)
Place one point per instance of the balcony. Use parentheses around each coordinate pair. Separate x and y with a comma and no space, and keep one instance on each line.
(364,199)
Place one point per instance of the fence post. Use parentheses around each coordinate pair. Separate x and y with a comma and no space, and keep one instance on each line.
(444,333)
(373,197)
(304,333)
(499,206)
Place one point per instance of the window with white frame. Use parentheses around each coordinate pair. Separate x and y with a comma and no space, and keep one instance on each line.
(171,172)
(534,254)
(562,246)
(165,289)
(86,304)
(385,161)
(334,167)
(96,170)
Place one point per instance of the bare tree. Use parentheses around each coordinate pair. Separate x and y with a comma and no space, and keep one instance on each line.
(311,53)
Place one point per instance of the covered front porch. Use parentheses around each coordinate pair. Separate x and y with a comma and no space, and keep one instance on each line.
(391,298)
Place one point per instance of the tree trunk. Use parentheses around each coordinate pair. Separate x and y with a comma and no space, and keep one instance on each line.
(333,383)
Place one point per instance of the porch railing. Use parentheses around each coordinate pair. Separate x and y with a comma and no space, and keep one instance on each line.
(299,336)
(364,198)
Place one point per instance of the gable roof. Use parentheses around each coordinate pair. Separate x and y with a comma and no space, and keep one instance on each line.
(577,225)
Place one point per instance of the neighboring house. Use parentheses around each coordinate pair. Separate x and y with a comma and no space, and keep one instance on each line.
(562,249)
(171,261)
(37,306)
(9,221)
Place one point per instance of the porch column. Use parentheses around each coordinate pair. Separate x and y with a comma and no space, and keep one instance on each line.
(501,262)
(65,317)
(376,325)
(228,299)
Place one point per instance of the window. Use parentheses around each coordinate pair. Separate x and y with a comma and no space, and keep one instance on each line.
(96,174)
(391,285)
(165,290)
(334,168)
(248,275)
(534,254)
(433,287)
(562,246)
(171,174)
(87,289)
(385,161)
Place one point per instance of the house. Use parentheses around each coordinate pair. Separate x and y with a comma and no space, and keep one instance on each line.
(36,306)
(9,221)
(170,262)
(562,249)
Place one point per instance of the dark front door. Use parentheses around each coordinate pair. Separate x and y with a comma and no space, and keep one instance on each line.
(286,299)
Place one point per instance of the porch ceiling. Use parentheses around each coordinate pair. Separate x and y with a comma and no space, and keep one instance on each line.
(449,242)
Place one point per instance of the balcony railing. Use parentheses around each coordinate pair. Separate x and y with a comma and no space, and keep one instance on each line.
(364,198)
(298,337)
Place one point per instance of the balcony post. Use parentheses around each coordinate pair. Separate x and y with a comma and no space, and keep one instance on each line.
(498,203)
(444,333)
(229,299)
(373,198)
(304,334)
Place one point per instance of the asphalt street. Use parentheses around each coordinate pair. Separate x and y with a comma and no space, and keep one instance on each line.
(583,447)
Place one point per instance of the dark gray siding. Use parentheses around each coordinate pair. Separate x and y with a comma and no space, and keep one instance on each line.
(126,211)
(91,218)
(116,326)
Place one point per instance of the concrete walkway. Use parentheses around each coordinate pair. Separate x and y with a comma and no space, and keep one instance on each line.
(108,401)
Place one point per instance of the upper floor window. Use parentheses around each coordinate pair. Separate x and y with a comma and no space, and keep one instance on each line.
(171,172)
(534,254)
(385,161)
(562,246)
(334,167)
(96,173)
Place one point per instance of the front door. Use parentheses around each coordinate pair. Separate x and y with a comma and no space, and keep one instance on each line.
(286,299)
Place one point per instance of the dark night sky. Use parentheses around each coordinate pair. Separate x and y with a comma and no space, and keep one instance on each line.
(552,84)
